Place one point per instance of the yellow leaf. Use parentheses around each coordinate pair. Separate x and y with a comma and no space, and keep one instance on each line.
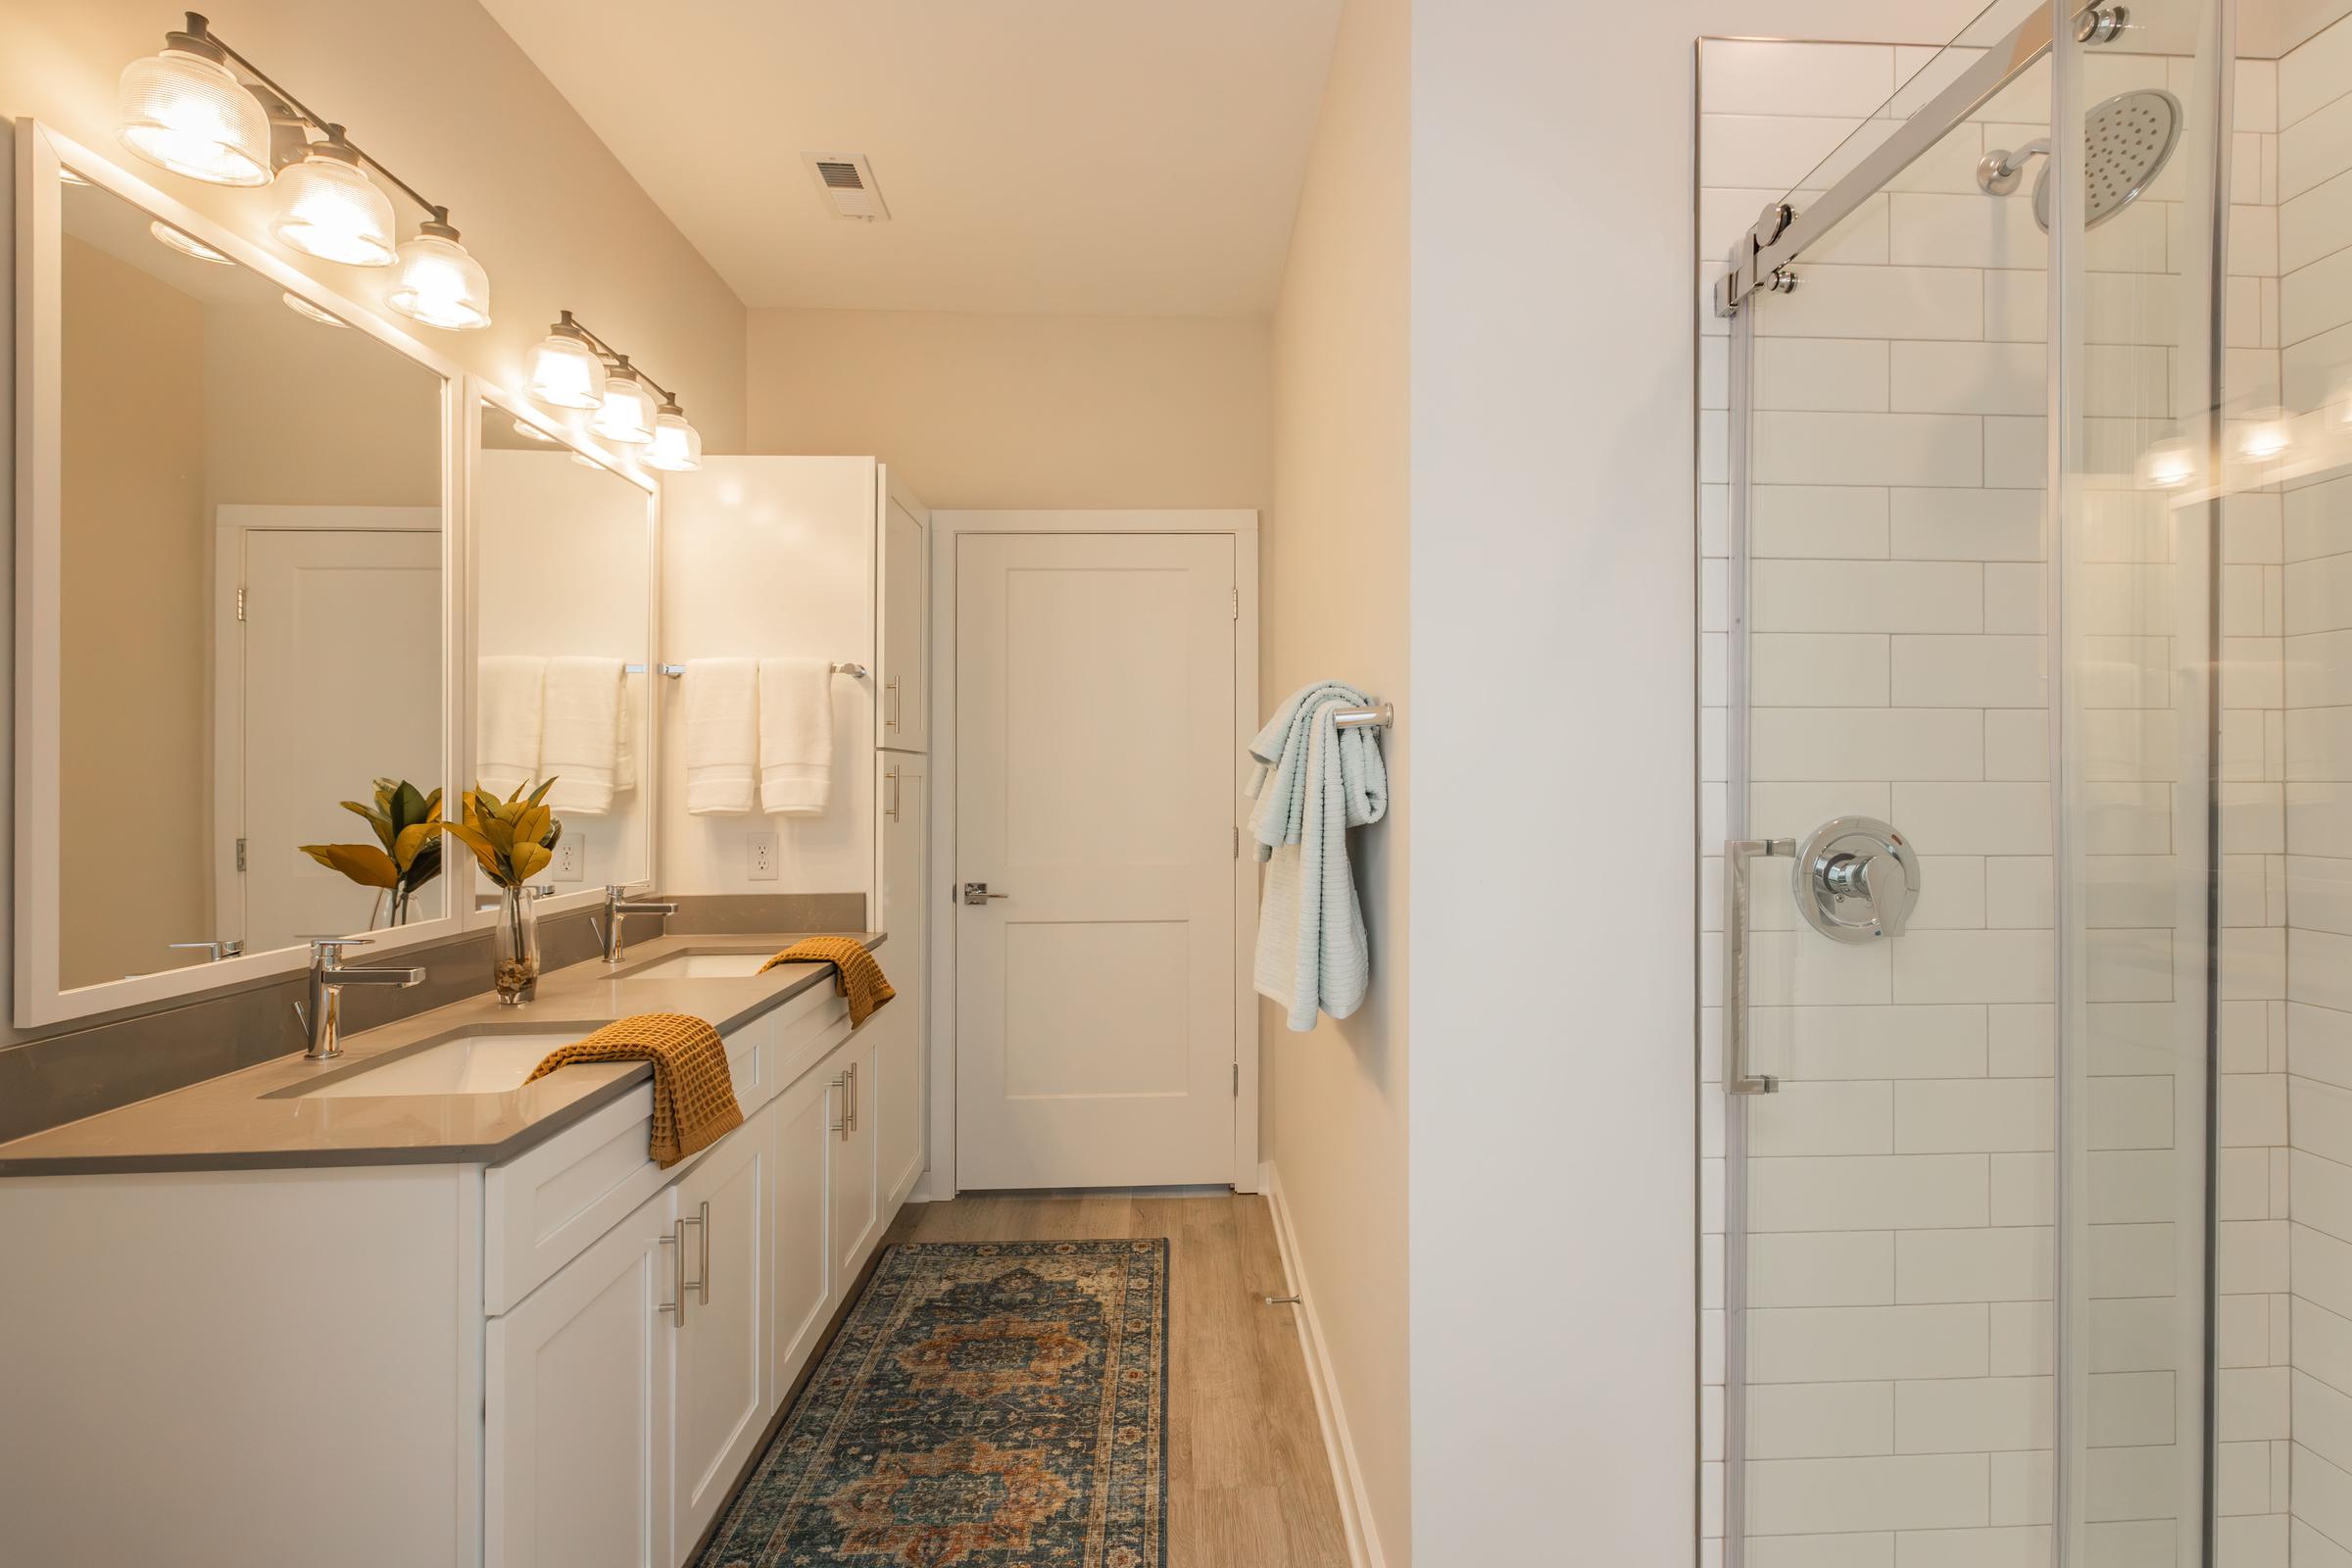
(412,838)
(529,861)
(363,864)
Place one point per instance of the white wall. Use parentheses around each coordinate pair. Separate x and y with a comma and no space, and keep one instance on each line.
(1333,605)
(1553,568)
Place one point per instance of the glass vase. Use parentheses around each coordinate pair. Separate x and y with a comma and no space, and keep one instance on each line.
(515,945)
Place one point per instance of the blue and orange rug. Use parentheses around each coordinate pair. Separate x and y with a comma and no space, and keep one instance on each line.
(985,1405)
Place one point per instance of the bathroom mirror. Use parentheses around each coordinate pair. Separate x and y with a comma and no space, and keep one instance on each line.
(232,604)
(563,608)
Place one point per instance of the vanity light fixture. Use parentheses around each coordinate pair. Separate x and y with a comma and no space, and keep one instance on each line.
(327,207)
(190,110)
(575,368)
(525,428)
(2168,464)
(188,244)
(2265,433)
(308,312)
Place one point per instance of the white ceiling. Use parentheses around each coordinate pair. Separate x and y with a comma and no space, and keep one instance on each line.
(1118,157)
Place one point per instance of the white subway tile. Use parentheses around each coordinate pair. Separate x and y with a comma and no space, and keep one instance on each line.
(2020,1041)
(2022,1488)
(2315,147)
(1821,1420)
(1855,1550)
(2128,1408)
(2023,1340)
(2318,1044)
(2130,1261)
(1953,524)
(1818,670)
(1839,522)
(2131,1186)
(2017,452)
(2320,893)
(1823,1118)
(1967,1415)
(1789,447)
(2320,1267)
(2021,1189)
(2018,893)
(1821,1268)
(1924,1492)
(1828,742)
(2251,1110)
(1872,1041)
(1969,672)
(2321,1418)
(2319,969)
(2315,73)
(2252,1403)
(1863,596)
(1935,229)
(2008,1547)
(1990,1115)
(2008,1264)
(2126,1483)
(2323,1198)
(2322,1115)
(2017,745)
(1973,966)
(2012,600)
(2318,595)
(1854,1344)
(2128,1112)
(1878,302)
(2315,224)
(2312,299)
(1942,378)
(1765,152)
(2308,1548)
(1987,818)
(1867,1192)
(2319,821)
(1835,373)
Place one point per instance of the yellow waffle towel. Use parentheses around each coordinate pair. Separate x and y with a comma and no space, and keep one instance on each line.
(694,1093)
(855,974)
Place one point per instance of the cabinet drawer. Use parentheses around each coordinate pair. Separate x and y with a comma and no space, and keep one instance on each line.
(542,1208)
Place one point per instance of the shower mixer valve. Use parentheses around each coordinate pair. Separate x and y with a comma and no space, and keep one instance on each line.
(1857,879)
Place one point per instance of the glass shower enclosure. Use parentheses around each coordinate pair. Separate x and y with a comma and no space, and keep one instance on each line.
(2027,672)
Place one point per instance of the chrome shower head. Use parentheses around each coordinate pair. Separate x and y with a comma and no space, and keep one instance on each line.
(2126,140)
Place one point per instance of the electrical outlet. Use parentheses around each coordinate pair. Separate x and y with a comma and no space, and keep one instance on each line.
(759,863)
(571,853)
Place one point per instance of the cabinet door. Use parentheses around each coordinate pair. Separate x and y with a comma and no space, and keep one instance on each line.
(577,1406)
(905,579)
(901,1094)
(803,1273)
(723,1328)
(851,1174)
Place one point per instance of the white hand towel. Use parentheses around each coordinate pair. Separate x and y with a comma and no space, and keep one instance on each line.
(579,747)
(722,735)
(625,745)
(796,735)
(507,744)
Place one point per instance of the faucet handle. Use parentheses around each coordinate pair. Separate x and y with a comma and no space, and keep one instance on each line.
(331,947)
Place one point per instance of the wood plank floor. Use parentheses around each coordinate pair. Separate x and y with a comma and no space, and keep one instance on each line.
(1249,1479)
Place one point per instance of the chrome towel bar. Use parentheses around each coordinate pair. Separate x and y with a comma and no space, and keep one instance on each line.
(673,671)
(1379,716)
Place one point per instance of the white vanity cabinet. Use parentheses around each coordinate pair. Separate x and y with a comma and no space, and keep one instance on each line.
(904,546)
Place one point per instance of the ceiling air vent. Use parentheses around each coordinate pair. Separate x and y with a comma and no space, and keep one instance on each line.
(846,180)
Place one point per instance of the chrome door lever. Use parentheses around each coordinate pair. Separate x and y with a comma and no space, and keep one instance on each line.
(977,893)
(1737,853)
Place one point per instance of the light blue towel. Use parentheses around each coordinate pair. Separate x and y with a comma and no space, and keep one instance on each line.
(1314,781)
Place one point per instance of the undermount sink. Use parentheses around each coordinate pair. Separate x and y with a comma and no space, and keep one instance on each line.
(700,966)
(466,1065)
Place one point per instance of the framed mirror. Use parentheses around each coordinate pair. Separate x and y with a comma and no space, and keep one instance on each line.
(565,679)
(236,553)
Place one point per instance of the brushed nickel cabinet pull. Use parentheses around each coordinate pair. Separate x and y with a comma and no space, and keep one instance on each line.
(840,1081)
(892,687)
(702,1286)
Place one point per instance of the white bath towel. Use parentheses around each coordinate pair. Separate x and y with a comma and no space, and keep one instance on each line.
(722,735)
(579,743)
(507,736)
(625,745)
(1314,782)
(796,735)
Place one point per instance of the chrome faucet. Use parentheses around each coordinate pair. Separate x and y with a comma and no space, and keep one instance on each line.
(215,950)
(323,1016)
(617,906)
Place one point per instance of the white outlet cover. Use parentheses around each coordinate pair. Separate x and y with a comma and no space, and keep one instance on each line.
(759,857)
(571,855)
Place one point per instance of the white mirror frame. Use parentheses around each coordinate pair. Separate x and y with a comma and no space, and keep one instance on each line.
(38,999)
(479,393)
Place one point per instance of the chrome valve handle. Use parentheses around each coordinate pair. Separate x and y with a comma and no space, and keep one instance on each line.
(1857,879)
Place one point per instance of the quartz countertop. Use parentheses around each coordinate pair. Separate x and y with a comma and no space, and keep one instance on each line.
(255,1119)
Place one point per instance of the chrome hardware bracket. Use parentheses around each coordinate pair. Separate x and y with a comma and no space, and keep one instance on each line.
(1737,853)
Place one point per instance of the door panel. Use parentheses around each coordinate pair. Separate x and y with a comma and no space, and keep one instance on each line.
(724,1331)
(905,593)
(804,1277)
(851,1176)
(903,1092)
(1095,793)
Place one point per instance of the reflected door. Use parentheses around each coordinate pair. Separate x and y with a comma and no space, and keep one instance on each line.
(1095,805)
(341,685)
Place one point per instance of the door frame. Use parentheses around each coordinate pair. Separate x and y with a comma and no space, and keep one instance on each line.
(946,530)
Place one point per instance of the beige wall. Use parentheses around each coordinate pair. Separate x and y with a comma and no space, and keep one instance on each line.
(1334,607)
(1023,410)
(304,416)
(132,809)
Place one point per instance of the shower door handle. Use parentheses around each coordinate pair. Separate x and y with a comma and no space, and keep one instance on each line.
(1737,853)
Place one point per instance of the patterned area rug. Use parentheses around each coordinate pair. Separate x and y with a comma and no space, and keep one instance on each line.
(985,1405)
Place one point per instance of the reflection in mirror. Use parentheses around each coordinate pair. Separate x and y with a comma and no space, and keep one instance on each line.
(252,607)
(563,556)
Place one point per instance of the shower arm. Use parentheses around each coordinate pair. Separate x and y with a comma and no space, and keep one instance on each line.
(2000,171)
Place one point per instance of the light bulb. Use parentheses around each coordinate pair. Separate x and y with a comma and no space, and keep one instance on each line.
(185,110)
(308,312)
(186,244)
(328,207)
(677,447)
(440,284)
(626,414)
(2168,464)
(525,428)
(2263,434)
(564,371)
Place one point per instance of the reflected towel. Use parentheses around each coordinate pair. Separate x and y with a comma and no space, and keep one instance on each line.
(693,1093)
(855,973)
(624,744)
(507,744)
(795,736)
(579,743)
(722,735)
(1314,782)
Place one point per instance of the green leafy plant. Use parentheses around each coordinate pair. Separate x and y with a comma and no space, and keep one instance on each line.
(407,854)
(514,839)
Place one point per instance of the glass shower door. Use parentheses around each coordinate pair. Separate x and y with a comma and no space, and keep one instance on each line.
(1965,869)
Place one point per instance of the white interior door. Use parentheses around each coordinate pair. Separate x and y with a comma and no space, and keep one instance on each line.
(1095,797)
(341,684)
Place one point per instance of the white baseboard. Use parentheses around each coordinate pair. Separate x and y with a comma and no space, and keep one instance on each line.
(1347,1477)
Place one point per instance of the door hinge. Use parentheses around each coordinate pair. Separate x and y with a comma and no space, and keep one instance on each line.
(240,601)
(1237,1080)
(1237,841)
(1237,604)
(240,855)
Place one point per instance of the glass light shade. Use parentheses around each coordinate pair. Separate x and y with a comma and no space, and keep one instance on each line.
(526,428)
(2263,433)
(189,114)
(567,373)
(188,244)
(308,312)
(328,207)
(626,414)
(2168,464)
(440,284)
(677,447)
